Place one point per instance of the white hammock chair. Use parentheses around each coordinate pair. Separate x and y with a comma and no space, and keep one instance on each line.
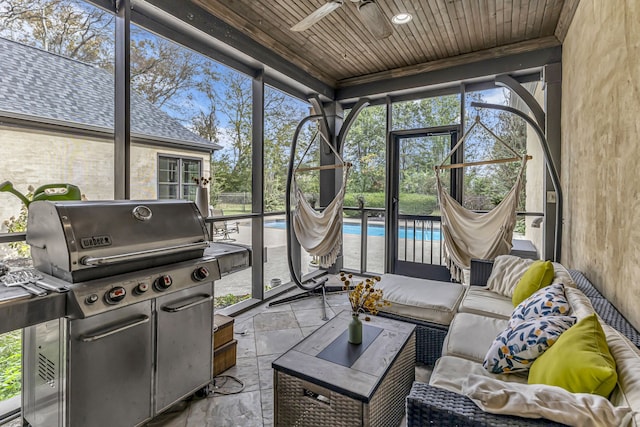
(320,232)
(467,234)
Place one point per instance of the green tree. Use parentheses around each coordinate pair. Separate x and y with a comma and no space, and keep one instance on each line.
(485,186)
(282,113)
(233,164)
(65,27)
(365,148)
(161,69)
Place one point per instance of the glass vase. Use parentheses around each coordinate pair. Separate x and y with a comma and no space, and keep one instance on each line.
(355,330)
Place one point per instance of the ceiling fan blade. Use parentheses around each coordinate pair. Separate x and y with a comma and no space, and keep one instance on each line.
(317,15)
(375,21)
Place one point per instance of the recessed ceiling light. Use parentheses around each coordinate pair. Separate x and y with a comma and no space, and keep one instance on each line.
(401,18)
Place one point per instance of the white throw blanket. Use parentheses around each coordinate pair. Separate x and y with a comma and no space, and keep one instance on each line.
(469,234)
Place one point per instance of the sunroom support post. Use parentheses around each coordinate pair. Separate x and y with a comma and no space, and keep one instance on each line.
(553,106)
(122,104)
(257,186)
(330,180)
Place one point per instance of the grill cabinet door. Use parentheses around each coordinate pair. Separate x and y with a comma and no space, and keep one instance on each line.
(110,373)
(184,344)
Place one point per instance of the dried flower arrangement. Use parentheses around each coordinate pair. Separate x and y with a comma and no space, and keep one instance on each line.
(202,181)
(364,297)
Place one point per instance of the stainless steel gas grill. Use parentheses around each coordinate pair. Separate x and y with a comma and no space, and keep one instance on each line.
(137,335)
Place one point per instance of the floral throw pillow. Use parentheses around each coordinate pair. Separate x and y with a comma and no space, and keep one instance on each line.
(548,301)
(515,349)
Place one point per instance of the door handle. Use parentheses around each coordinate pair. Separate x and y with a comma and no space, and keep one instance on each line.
(176,308)
(122,327)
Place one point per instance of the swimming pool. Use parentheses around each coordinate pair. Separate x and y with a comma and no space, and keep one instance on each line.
(376,230)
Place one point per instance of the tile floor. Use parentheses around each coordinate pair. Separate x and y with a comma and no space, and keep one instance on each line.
(263,334)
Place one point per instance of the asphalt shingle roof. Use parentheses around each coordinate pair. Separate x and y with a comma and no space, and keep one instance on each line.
(40,84)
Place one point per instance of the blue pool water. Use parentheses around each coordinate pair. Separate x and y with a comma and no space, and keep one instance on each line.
(373,230)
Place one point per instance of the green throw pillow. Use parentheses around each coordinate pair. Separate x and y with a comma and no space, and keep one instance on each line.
(579,362)
(538,275)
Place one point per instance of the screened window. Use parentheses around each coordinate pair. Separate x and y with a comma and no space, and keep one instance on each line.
(177,177)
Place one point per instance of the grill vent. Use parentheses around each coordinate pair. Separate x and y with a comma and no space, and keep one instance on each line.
(46,369)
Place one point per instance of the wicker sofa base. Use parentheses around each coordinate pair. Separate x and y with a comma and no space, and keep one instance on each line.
(429,338)
(427,405)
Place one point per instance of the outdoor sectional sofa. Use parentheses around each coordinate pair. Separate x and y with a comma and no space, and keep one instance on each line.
(457,325)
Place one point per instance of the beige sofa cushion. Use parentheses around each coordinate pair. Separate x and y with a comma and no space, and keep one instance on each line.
(471,335)
(428,300)
(508,269)
(580,303)
(479,300)
(450,373)
(627,356)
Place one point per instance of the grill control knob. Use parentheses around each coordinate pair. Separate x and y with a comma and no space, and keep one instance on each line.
(141,288)
(200,274)
(91,299)
(115,295)
(162,283)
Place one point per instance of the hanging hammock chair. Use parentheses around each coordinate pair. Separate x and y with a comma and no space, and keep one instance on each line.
(467,234)
(320,232)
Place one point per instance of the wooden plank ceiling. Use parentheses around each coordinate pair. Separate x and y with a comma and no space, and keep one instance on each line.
(340,51)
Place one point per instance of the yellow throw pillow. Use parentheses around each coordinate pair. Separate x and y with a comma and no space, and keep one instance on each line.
(537,276)
(579,362)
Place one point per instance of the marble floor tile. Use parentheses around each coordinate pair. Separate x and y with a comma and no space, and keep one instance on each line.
(266,371)
(312,316)
(311,302)
(277,342)
(237,410)
(266,396)
(201,412)
(246,370)
(246,344)
(277,307)
(243,326)
(176,416)
(274,321)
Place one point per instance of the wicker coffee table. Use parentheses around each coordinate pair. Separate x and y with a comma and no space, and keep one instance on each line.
(325,381)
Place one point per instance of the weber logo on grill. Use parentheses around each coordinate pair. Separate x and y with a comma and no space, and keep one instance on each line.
(95,241)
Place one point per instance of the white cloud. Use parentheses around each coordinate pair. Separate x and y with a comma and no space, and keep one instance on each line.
(495,96)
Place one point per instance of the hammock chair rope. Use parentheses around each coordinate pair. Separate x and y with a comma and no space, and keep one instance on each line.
(467,234)
(320,232)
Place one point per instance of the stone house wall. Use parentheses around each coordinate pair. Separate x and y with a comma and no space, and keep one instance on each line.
(601,149)
(34,157)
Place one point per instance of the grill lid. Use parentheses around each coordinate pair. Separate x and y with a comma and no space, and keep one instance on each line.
(79,241)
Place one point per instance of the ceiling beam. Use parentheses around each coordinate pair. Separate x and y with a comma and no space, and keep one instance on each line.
(508,59)
(439,64)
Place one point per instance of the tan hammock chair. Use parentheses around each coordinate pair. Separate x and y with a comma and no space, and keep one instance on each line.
(467,234)
(320,232)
